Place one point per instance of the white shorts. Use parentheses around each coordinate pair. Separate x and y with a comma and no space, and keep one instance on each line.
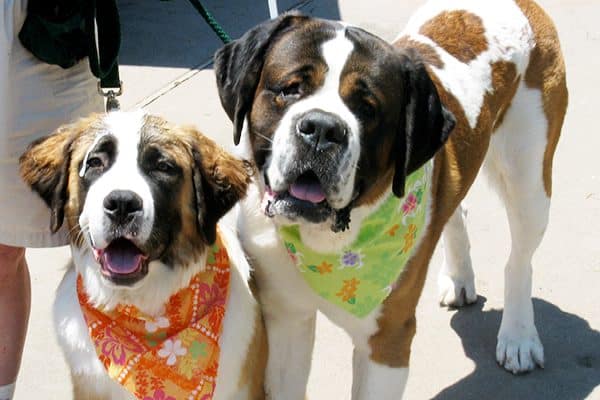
(35,99)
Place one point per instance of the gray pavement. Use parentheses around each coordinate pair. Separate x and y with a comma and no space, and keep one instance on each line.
(165,43)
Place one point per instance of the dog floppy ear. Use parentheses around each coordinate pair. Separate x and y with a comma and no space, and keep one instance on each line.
(45,168)
(425,123)
(220,180)
(238,67)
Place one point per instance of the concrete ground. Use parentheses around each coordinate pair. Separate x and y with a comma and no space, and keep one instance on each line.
(166,47)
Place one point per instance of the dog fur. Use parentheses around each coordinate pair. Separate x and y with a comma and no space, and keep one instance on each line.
(186,183)
(473,85)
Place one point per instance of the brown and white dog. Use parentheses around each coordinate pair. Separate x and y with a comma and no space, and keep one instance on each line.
(336,118)
(147,195)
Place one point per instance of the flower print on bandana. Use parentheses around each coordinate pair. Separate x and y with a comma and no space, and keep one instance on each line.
(366,271)
(159,395)
(409,238)
(410,204)
(351,259)
(211,296)
(154,325)
(324,268)
(348,291)
(392,231)
(293,253)
(171,350)
(116,349)
(172,355)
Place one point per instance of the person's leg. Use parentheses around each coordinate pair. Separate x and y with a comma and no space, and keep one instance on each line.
(10,354)
(35,99)
(15,302)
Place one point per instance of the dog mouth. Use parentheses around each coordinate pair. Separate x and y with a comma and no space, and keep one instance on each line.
(122,262)
(307,188)
(305,198)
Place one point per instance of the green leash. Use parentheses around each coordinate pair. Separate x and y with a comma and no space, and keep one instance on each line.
(211,21)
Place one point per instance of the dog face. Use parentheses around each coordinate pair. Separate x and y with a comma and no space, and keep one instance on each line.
(334,114)
(135,191)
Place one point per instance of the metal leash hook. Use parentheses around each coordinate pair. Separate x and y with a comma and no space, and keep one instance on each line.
(112,103)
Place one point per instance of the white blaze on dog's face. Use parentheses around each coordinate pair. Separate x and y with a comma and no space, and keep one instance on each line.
(334,114)
(137,193)
(327,129)
(119,211)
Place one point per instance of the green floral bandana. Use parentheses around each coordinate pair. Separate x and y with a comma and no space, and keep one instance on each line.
(363,274)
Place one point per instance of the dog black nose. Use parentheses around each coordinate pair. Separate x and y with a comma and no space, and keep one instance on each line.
(322,129)
(123,205)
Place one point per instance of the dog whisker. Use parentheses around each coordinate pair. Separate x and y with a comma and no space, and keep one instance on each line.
(268,139)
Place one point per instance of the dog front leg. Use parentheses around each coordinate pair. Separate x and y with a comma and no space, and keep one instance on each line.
(372,380)
(380,369)
(291,338)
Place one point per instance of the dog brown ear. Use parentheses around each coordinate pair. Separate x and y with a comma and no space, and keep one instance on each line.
(238,66)
(425,124)
(220,180)
(45,168)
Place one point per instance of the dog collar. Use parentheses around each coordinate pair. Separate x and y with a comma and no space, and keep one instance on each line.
(174,356)
(363,274)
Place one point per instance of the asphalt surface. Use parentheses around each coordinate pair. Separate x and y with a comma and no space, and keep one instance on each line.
(165,56)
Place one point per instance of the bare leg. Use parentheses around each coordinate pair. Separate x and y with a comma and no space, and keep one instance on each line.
(15,302)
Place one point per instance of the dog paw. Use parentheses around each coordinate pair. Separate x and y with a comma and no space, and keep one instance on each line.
(456,291)
(520,353)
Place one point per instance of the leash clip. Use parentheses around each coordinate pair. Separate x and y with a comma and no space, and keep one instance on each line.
(112,103)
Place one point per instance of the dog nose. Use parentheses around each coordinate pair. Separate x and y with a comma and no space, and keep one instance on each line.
(322,129)
(122,205)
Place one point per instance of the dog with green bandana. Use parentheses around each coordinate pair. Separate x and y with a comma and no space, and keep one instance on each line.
(365,150)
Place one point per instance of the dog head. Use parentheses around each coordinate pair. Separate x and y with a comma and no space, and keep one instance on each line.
(137,193)
(334,115)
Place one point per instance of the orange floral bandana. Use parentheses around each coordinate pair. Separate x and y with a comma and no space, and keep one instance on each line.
(174,356)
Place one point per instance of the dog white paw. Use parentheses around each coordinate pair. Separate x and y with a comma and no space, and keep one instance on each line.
(519,353)
(456,291)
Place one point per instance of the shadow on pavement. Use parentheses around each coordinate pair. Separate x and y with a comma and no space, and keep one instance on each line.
(572,351)
(172,33)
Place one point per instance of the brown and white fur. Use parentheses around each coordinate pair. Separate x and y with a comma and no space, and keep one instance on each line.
(184,183)
(494,68)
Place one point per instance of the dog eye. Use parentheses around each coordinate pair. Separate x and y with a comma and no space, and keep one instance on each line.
(165,167)
(367,108)
(94,162)
(291,90)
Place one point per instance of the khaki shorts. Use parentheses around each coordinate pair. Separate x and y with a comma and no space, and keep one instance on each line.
(35,99)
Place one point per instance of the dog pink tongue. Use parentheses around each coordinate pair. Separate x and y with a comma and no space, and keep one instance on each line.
(122,257)
(308,191)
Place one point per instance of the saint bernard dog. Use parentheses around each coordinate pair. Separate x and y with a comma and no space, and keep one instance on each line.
(365,150)
(157,302)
